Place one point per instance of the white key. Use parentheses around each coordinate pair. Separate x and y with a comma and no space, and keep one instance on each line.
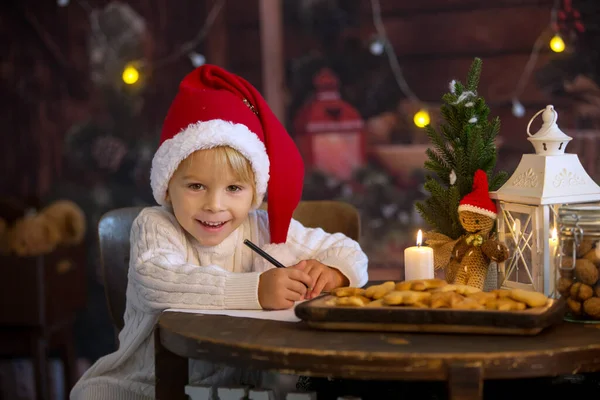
(199,392)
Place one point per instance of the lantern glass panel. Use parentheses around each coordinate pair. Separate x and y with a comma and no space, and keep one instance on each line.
(518,232)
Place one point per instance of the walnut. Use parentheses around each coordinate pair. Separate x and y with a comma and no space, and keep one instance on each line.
(566,262)
(566,273)
(574,291)
(564,286)
(585,292)
(585,246)
(586,272)
(574,306)
(593,257)
(581,291)
(592,307)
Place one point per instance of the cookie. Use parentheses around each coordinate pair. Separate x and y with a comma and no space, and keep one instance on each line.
(347,291)
(445,299)
(376,303)
(505,304)
(482,297)
(532,299)
(460,289)
(353,301)
(376,292)
(467,304)
(406,297)
(501,293)
(420,285)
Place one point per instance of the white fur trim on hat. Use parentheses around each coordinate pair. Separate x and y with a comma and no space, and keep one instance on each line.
(478,210)
(207,135)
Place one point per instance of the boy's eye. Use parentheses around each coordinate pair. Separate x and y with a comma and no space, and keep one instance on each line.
(196,186)
(234,188)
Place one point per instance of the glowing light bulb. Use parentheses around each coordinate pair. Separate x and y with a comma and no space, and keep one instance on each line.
(130,75)
(422,118)
(517,109)
(377,47)
(557,44)
(197,59)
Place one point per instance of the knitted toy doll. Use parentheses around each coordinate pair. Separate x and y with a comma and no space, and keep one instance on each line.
(474,251)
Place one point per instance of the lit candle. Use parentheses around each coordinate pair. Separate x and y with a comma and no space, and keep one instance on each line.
(553,243)
(418,261)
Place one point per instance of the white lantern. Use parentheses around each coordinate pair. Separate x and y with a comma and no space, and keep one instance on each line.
(528,205)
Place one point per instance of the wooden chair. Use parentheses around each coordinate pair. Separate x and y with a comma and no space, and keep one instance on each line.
(115,226)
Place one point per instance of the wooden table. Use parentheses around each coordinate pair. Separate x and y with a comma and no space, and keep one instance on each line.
(464,361)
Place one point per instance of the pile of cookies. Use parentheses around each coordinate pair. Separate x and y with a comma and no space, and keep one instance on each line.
(436,293)
(581,285)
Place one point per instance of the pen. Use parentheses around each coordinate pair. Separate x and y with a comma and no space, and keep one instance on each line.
(263,254)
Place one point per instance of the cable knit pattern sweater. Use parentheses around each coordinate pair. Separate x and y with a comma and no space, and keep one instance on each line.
(170,269)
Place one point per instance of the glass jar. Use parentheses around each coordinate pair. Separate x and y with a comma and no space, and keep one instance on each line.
(578,261)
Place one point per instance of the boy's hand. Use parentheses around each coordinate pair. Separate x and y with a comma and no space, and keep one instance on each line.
(279,288)
(323,277)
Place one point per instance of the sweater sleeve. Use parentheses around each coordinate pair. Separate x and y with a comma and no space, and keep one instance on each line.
(335,250)
(161,278)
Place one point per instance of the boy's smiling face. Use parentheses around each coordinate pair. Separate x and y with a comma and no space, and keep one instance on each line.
(209,199)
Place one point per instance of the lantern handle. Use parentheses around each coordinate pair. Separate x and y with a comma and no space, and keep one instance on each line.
(554,118)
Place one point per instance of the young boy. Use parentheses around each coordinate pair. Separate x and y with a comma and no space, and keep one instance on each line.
(219,147)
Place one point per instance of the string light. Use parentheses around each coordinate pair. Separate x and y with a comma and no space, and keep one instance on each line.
(557,44)
(377,46)
(197,59)
(517,108)
(62,3)
(422,118)
(130,75)
(422,115)
(188,47)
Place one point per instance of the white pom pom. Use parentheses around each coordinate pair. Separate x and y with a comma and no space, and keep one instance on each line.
(473,120)
(452,86)
(452,177)
(469,104)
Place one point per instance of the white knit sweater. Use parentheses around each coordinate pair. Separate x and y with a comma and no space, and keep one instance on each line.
(169,269)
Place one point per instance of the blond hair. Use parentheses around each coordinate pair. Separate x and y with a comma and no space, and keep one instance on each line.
(228,157)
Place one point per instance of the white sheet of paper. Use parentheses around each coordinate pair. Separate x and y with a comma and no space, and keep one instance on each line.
(279,315)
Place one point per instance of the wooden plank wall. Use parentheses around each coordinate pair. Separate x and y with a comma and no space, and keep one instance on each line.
(435,40)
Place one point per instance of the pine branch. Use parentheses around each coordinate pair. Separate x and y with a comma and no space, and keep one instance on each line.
(498,180)
(474,74)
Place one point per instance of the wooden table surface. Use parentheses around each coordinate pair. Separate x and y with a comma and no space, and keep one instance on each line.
(462,360)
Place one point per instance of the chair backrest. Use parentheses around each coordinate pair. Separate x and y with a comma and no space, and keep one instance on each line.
(330,215)
(113,233)
(115,226)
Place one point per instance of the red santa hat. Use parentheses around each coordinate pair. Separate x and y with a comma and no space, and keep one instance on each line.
(478,201)
(216,108)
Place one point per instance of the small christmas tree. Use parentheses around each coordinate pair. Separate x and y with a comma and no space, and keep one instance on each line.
(461,146)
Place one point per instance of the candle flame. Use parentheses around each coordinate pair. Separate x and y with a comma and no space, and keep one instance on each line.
(554,234)
(419,237)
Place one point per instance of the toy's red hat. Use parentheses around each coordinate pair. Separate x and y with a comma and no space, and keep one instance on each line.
(478,201)
(216,108)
